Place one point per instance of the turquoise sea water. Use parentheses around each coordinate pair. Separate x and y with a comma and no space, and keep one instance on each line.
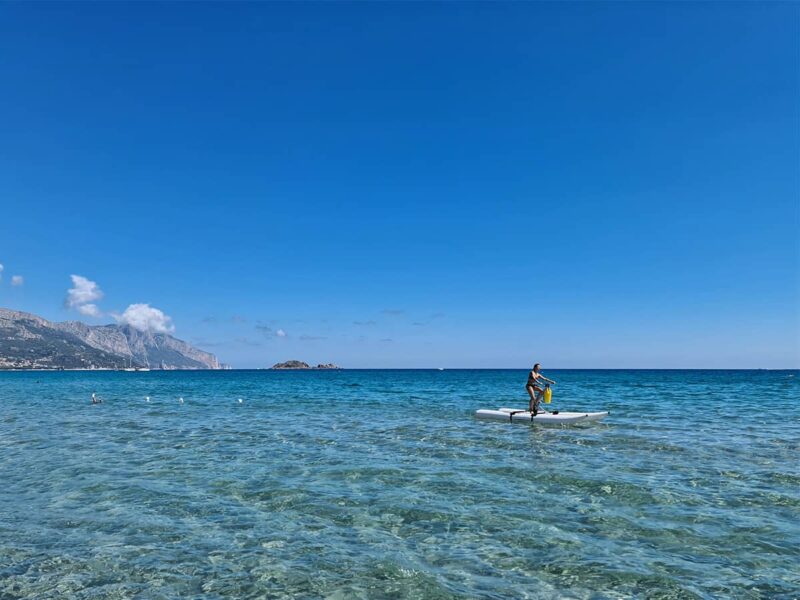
(381,484)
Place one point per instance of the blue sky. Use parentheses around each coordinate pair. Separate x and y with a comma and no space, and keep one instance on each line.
(401,185)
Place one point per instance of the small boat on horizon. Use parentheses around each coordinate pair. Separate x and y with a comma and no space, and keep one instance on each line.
(131,368)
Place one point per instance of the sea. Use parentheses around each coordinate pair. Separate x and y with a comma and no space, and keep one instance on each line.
(382,484)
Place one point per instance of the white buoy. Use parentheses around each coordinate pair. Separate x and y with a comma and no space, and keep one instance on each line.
(240,400)
(147,398)
(180,400)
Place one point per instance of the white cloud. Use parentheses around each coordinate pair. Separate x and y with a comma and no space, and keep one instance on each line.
(145,318)
(83,291)
(280,333)
(17,280)
(90,310)
(82,295)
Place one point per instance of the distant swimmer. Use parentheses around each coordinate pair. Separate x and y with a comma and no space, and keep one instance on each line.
(534,387)
(95,399)
(180,400)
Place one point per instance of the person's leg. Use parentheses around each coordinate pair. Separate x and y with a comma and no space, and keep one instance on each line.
(535,392)
(532,393)
(535,397)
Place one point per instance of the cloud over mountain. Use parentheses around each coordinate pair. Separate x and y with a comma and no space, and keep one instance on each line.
(145,318)
(82,295)
(90,310)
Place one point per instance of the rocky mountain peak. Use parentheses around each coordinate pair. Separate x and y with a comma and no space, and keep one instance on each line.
(29,341)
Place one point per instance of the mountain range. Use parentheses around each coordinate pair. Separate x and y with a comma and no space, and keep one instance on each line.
(31,342)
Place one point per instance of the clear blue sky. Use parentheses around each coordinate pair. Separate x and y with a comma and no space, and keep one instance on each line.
(399,185)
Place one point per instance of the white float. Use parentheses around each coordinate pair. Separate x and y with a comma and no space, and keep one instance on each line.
(516,415)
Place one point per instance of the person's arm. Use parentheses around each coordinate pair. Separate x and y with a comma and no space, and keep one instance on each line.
(547,380)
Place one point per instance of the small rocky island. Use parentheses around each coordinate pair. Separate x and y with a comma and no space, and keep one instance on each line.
(299,364)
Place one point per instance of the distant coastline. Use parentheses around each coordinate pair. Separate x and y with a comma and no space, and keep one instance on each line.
(526,368)
(28,342)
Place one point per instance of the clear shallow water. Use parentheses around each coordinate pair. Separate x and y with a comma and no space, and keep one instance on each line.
(381,484)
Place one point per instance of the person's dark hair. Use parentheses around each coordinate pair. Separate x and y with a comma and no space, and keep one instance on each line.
(536,366)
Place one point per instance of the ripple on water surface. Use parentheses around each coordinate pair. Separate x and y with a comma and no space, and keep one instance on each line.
(381,484)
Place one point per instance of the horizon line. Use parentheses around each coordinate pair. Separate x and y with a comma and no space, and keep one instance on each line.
(23,370)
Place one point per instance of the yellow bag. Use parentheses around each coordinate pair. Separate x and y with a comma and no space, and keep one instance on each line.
(548,395)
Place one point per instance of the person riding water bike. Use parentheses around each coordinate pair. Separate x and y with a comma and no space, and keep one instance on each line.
(535,388)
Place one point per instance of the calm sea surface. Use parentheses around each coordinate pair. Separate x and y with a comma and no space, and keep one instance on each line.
(382,484)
